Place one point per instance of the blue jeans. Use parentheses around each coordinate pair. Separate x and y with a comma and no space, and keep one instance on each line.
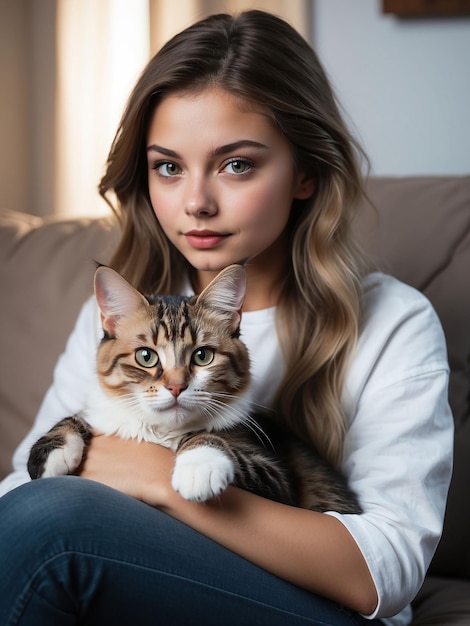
(76,552)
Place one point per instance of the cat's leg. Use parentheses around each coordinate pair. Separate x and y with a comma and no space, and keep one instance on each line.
(206,463)
(204,467)
(61,450)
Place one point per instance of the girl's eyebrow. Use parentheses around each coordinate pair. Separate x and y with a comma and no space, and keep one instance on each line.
(221,150)
(170,153)
(236,145)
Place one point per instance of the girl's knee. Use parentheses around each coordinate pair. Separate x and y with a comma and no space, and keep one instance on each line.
(45,509)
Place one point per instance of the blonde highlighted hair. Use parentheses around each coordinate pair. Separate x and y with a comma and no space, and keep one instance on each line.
(260,58)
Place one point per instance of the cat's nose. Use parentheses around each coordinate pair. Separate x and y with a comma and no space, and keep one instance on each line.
(175,388)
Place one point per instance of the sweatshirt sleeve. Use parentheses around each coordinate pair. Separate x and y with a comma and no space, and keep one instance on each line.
(72,376)
(400,441)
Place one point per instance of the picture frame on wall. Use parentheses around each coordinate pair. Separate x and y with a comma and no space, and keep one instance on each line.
(426,8)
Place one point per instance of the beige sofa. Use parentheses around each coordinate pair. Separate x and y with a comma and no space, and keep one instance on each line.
(420,232)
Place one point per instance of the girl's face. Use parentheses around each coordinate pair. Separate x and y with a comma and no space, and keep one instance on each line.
(221,182)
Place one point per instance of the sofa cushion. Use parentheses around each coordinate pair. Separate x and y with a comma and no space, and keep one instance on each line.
(442,602)
(419,231)
(46,273)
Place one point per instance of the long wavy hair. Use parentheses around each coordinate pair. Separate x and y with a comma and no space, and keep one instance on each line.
(260,58)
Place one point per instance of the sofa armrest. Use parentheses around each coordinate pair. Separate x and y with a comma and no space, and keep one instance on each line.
(46,273)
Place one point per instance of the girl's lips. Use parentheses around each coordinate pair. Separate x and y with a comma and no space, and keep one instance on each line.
(204,239)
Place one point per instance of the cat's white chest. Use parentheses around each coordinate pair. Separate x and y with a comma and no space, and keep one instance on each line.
(114,417)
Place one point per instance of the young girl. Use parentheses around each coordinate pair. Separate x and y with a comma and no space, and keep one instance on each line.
(232,147)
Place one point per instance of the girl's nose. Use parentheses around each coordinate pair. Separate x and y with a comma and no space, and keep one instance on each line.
(200,200)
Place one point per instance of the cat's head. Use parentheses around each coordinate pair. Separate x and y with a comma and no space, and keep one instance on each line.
(177,360)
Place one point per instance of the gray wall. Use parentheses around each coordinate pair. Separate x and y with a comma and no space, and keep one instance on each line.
(404,83)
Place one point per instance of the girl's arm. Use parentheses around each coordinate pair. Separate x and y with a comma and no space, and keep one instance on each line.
(311,550)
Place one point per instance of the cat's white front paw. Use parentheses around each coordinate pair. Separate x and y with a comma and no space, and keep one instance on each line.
(202,473)
(66,459)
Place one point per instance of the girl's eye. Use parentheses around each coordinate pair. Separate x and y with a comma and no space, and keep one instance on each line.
(238,166)
(203,356)
(146,357)
(167,169)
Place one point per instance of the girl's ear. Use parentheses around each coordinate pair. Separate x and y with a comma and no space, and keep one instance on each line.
(305,186)
(116,298)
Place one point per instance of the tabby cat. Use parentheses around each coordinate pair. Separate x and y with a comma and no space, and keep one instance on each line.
(173,370)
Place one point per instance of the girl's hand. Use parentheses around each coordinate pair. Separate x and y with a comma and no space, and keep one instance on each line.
(141,470)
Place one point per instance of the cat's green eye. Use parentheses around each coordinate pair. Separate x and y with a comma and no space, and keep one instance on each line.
(146,357)
(203,356)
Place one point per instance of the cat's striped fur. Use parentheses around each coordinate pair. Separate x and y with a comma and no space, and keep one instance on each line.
(173,370)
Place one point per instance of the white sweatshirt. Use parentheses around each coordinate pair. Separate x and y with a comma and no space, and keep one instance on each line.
(398,456)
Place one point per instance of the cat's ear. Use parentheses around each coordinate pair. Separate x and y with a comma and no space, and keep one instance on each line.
(226,293)
(116,298)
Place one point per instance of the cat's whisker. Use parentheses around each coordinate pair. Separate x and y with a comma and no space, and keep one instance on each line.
(223,416)
(252,403)
(128,402)
(256,429)
(213,406)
